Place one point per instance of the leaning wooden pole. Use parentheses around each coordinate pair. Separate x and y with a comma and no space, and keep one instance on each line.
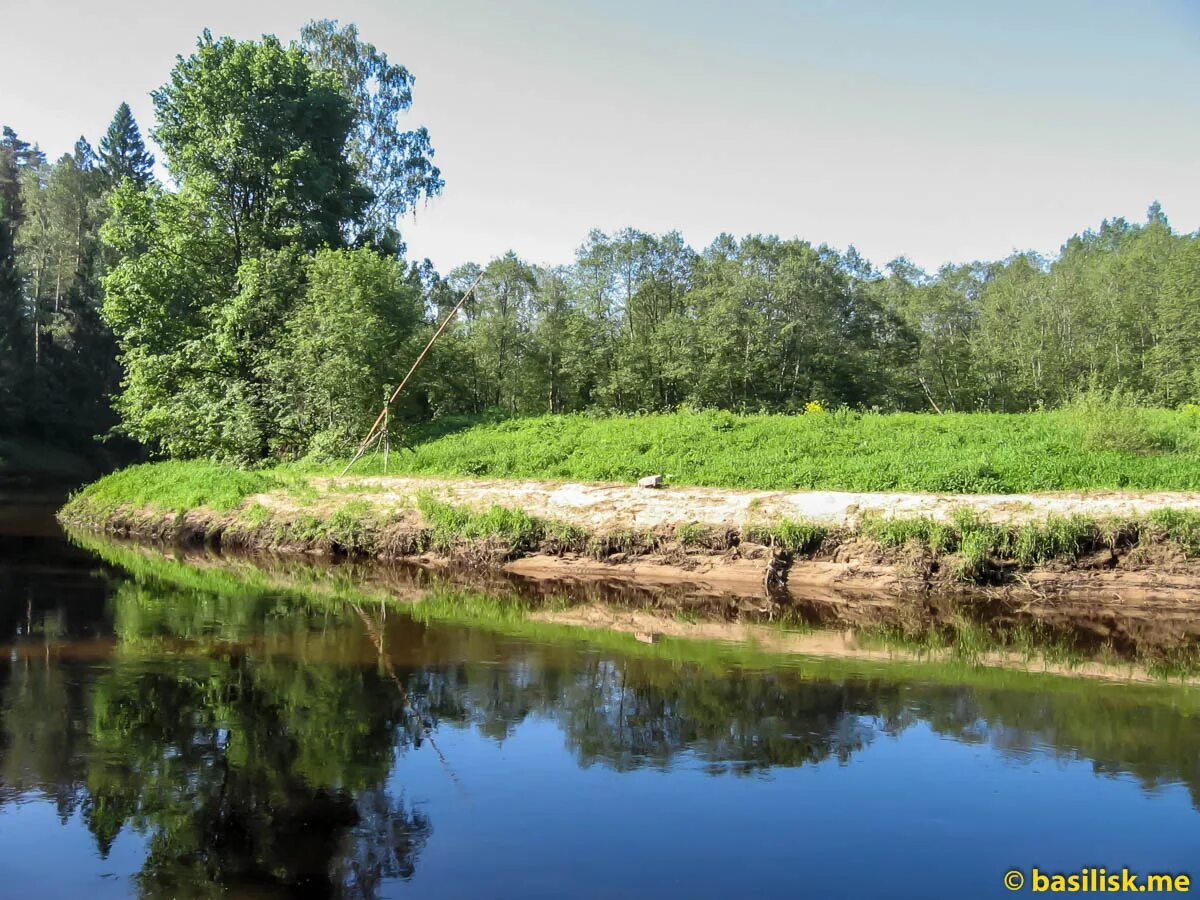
(362,448)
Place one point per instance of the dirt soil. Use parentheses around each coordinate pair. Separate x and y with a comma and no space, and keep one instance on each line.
(603,507)
(740,567)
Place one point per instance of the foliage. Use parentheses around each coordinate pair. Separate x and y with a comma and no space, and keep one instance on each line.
(394,164)
(1181,527)
(245,329)
(57,365)
(346,340)
(259,138)
(256,308)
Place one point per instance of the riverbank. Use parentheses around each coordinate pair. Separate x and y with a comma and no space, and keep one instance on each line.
(1127,545)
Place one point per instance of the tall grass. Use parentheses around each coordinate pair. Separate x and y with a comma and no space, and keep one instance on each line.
(1180,526)
(175,486)
(1082,447)
(452,525)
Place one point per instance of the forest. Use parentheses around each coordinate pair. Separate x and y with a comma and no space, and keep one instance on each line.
(257,302)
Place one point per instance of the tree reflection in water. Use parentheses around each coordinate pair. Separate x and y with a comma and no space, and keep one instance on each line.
(250,737)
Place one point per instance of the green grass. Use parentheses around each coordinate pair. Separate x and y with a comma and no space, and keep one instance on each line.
(450,525)
(803,538)
(352,525)
(1181,527)
(1087,446)
(1148,449)
(174,486)
(979,545)
(1071,449)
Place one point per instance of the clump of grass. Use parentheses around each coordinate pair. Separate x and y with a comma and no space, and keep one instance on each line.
(1056,538)
(1114,422)
(694,536)
(896,532)
(802,538)
(691,534)
(974,561)
(351,526)
(630,541)
(451,526)
(980,545)
(561,537)
(1180,527)
(304,527)
(254,516)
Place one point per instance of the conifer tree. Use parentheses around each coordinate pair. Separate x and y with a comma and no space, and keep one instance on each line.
(123,154)
(12,322)
(15,154)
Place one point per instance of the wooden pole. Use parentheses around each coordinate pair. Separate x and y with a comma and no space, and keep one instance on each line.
(396,393)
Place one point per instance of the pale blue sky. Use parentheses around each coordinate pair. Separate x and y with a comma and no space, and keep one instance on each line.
(937,130)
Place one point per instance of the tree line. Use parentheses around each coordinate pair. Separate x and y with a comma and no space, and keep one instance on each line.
(258,303)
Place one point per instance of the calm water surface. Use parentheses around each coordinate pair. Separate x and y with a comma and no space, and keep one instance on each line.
(167,740)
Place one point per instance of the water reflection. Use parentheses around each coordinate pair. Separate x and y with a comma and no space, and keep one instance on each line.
(255,739)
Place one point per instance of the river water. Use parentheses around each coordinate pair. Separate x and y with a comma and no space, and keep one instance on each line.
(195,734)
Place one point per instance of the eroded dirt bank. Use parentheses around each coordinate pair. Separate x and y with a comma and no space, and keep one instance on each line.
(715,541)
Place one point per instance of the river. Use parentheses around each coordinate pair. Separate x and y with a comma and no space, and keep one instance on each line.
(201,736)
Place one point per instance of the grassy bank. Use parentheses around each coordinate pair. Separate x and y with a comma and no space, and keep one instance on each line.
(1075,448)
(1137,449)
(1088,446)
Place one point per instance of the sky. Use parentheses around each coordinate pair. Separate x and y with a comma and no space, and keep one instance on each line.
(940,131)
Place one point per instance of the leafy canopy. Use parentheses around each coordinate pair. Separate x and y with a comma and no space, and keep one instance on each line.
(260,137)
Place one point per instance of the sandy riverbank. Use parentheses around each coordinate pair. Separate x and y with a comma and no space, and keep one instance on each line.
(723,541)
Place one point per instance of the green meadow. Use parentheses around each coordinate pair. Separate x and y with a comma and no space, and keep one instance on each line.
(1001,453)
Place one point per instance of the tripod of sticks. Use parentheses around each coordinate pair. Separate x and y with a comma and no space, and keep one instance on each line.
(379,427)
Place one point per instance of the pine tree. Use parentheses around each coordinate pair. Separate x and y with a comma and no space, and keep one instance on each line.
(12,321)
(123,154)
(15,154)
